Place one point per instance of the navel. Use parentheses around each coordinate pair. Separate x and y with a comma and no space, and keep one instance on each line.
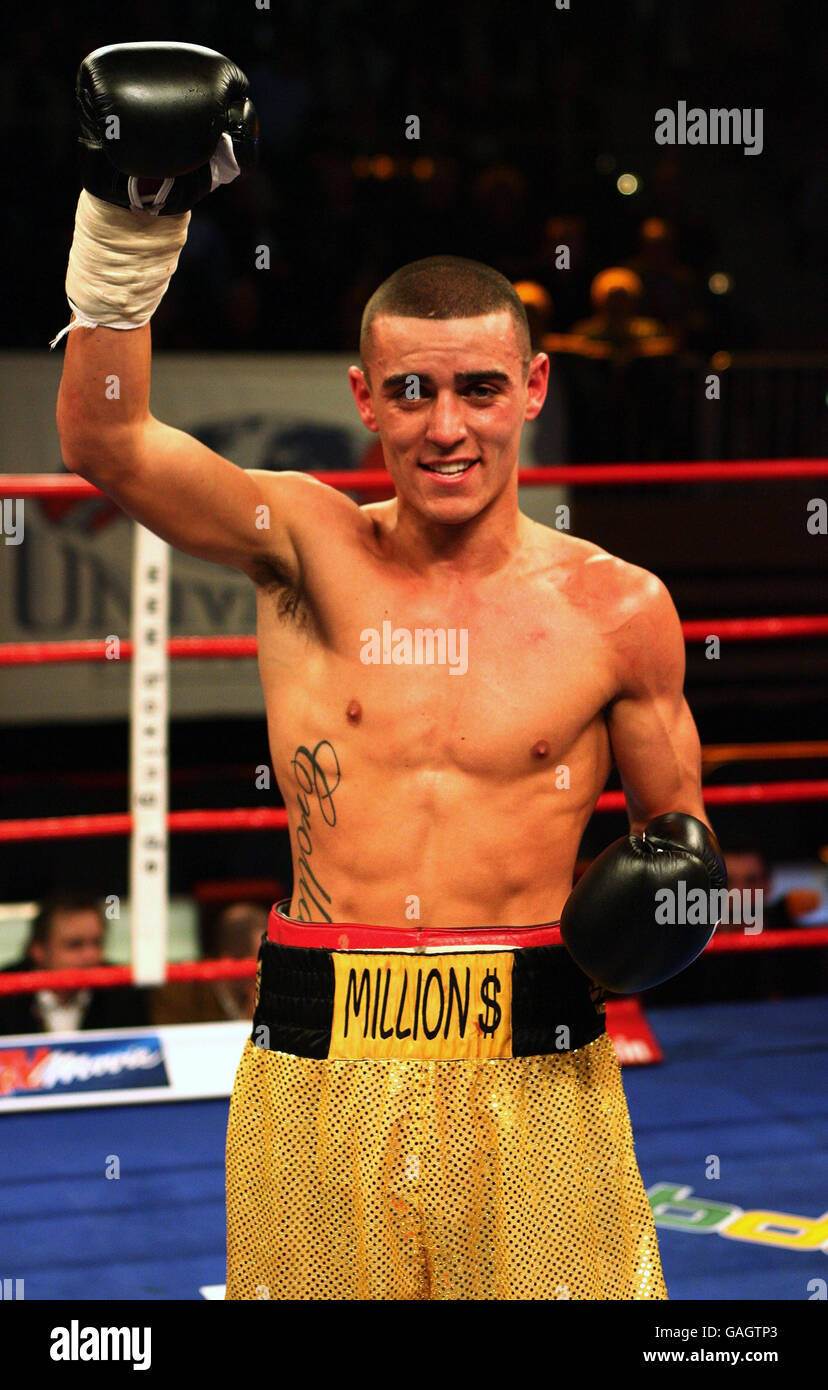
(354,712)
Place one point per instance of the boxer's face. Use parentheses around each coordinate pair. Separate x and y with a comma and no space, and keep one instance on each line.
(448,398)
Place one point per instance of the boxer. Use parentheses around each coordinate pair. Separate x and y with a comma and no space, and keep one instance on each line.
(429,1105)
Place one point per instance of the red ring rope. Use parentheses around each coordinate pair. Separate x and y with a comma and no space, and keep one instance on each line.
(750,629)
(110,976)
(120,823)
(95,649)
(233,648)
(275,818)
(577,474)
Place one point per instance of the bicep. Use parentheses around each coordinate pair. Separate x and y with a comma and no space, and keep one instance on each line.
(170,482)
(657,751)
(654,738)
(195,499)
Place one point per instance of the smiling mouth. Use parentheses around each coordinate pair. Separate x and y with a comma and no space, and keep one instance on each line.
(453,468)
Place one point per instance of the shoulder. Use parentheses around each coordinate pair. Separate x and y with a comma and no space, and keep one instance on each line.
(311,511)
(302,491)
(643,631)
(623,595)
(629,607)
(609,589)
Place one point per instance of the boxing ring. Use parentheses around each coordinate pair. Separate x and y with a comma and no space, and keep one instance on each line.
(740,1083)
(742,1080)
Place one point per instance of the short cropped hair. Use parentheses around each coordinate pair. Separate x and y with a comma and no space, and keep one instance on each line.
(446,287)
(61,902)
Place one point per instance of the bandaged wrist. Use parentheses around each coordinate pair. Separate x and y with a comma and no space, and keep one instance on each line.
(120,264)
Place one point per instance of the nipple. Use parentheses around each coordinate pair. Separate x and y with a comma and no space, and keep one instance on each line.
(354,712)
(541,749)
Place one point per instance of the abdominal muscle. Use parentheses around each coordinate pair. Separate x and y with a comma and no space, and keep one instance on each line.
(435,847)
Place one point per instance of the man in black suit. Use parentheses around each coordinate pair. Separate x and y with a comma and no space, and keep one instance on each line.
(68,933)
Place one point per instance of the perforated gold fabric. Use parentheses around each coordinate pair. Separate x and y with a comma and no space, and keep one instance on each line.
(414,1179)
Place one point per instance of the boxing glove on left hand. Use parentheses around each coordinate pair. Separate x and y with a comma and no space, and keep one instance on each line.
(610,924)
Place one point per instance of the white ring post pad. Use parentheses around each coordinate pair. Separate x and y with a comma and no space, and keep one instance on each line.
(149,701)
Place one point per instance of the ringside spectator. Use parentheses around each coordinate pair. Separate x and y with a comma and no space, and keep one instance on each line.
(69,933)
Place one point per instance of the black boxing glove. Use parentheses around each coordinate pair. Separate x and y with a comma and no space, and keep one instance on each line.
(612,924)
(172,112)
(161,125)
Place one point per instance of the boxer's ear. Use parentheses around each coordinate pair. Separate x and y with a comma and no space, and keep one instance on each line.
(361,387)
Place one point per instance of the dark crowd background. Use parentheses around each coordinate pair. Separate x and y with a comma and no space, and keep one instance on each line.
(527,121)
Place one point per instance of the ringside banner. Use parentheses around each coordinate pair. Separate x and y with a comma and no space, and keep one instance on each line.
(57,1070)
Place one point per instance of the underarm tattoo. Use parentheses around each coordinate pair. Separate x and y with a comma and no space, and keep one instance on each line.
(316,789)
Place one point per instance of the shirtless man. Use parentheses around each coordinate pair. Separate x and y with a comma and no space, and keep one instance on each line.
(429,1106)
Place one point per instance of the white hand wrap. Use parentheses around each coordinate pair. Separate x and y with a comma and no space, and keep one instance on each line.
(120,264)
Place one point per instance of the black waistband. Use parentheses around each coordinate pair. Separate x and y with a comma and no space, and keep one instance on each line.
(555,1007)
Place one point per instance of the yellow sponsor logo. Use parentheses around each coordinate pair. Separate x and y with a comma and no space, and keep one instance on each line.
(439,1006)
(675,1208)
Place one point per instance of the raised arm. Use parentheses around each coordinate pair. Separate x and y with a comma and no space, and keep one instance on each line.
(161,126)
(192,497)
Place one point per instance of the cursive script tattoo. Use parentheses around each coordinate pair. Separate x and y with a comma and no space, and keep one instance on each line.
(317,784)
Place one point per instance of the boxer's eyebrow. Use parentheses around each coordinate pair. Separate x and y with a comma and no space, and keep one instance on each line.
(403,378)
(494,374)
(390,383)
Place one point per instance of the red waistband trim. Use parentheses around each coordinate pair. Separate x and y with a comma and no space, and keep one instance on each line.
(353,936)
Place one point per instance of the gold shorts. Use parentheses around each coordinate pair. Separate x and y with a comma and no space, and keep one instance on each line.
(431,1122)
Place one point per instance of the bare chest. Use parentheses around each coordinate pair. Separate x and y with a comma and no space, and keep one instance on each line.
(497,678)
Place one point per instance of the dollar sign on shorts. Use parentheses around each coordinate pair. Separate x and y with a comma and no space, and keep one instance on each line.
(489,991)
